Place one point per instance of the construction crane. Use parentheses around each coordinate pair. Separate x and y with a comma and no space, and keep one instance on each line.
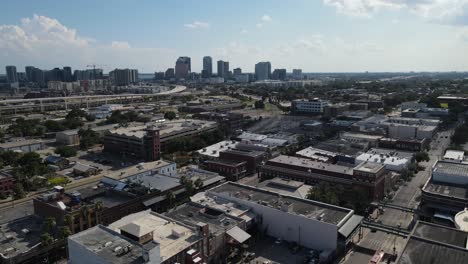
(94,68)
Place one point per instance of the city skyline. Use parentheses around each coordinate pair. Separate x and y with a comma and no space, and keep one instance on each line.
(316,36)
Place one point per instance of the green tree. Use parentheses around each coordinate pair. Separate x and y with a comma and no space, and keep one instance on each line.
(170,197)
(259,104)
(198,183)
(54,126)
(49,225)
(66,151)
(18,191)
(170,115)
(88,138)
(46,239)
(422,156)
(64,232)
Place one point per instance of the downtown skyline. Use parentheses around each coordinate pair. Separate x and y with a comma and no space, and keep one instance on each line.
(317,36)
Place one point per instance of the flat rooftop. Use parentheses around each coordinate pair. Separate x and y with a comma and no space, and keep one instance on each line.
(194,214)
(431,243)
(312,164)
(165,129)
(137,169)
(306,208)
(96,238)
(213,150)
(446,190)
(172,237)
(316,154)
(369,167)
(20,236)
(450,168)
(20,143)
(454,155)
(361,136)
(286,187)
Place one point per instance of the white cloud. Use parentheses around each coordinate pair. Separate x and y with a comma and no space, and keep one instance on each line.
(244,31)
(462,34)
(446,11)
(266,18)
(259,25)
(45,42)
(197,25)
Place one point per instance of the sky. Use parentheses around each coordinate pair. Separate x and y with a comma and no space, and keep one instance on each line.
(314,35)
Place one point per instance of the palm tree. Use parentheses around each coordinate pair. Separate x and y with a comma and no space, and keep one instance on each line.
(69,221)
(170,198)
(198,184)
(49,225)
(98,207)
(83,215)
(64,232)
(46,239)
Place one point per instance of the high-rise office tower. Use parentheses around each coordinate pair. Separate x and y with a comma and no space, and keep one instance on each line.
(182,68)
(223,69)
(279,74)
(207,67)
(122,77)
(67,74)
(29,73)
(237,72)
(12,76)
(297,74)
(263,71)
(169,74)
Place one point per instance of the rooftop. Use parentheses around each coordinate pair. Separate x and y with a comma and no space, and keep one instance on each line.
(307,163)
(213,150)
(252,136)
(431,243)
(20,143)
(105,243)
(316,154)
(302,207)
(137,169)
(172,237)
(361,136)
(286,187)
(165,129)
(446,190)
(20,236)
(194,214)
(454,155)
(369,167)
(450,168)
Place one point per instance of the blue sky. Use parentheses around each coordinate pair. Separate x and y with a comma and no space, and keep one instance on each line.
(315,35)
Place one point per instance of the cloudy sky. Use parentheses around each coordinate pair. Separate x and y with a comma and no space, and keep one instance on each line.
(315,35)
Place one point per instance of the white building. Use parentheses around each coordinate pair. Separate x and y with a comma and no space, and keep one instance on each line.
(104,111)
(392,161)
(315,105)
(403,131)
(310,224)
(412,105)
(101,245)
(454,155)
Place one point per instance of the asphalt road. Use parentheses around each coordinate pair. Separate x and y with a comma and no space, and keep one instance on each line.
(408,195)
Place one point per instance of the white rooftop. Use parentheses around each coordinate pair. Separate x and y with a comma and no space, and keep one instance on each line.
(213,150)
(173,237)
(454,155)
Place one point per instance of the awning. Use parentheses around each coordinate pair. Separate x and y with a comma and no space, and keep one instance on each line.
(350,225)
(238,234)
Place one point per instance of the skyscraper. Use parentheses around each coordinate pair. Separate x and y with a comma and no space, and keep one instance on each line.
(223,69)
(122,77)
(29,73)
(169,74)
(182,68)
(12,76)
(263,71)
(237,71)
(207,67)
(297,74)
(67,74)
(279,74)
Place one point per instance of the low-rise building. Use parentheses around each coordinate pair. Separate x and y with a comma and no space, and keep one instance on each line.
(371,140)
(313,172)
(148,142)
(315,106)
(445,193)
(392,160)
(232,170)
(454,155)
(252,158)
(101,245)
(25,146)
(431,243)
(413,145)
(308,223)
(286,187)
(178,243)
(7,183)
